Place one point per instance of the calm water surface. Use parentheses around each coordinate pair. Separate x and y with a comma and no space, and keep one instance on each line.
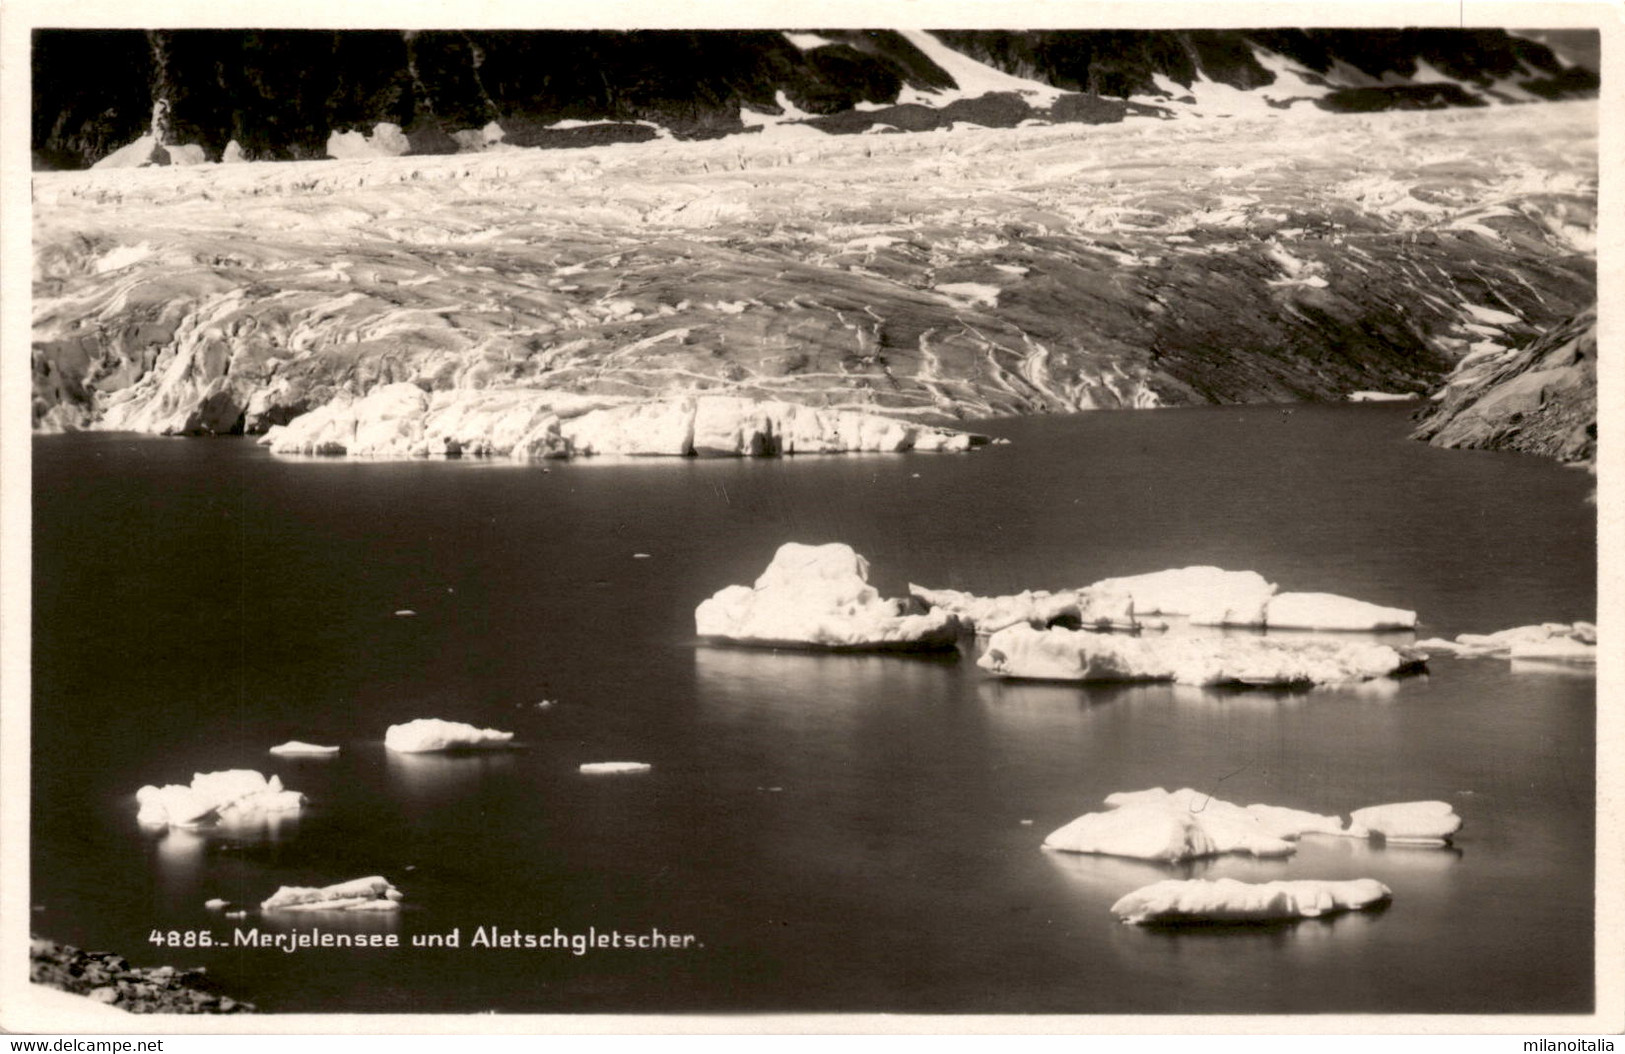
(838,832)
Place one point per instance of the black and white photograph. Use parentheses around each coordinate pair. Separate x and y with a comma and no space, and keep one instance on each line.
(758,517)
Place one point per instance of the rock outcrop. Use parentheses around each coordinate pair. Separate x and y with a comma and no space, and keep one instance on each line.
(818,596)
(292,94)
(110,980)
(1225,900)
(1540,398)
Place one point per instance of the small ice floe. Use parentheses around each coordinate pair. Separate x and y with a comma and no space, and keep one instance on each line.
(405,613)
(614,768)
(1058,654)
(1189,825)
(361,894)
(236,914)
(819,596)
(1574,642)
(1384,397)
(299,748)
(986,615)
(640,556)
(215,904)
(427,734)
(1407,823)
(231,796)
(1226,900)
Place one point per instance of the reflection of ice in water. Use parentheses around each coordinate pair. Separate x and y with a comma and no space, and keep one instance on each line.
(1553,668)
(180,855)
(439,776)
(817,687)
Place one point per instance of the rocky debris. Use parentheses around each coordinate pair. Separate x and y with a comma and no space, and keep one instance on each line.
(1540,399)
(987,615)
(819,596)
(432,734)
(1059,654)
(1225,900)
(1190,825)
(110,979)
(234,796)
(362,894)
(1563,641)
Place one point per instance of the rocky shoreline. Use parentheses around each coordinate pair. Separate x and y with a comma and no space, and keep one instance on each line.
(109,979)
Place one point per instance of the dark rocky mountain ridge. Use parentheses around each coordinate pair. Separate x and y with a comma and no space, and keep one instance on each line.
(280,94)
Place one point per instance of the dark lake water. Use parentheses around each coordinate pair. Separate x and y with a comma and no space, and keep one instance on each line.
(839,833)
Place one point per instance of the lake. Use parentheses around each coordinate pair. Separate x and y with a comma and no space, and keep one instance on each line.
(834,832)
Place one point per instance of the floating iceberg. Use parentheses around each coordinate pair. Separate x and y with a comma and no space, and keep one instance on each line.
(234,796)
(1312,611)
(819,596)
(361,894)
(1186,825)
(431,733)
(298,748)
(1057,654)
(216,904)
(1559,641)
(1414,822)
(1189,590)
(614,768)
(1105,611)
(1227,900)
(1189,825)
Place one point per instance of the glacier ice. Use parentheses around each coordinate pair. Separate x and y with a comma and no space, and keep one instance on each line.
(428,734)
(614,768)
(1107,611)
(819,595)
(299,748)
(233,796)
(1058,654)
(1228,900)
(362,894)
(1417,822)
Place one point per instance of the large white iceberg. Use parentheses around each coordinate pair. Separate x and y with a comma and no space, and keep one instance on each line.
(1058,654)
(433,734)
(1413,822)
(1189,825)
(819,596)
(361,894)
(1328,611)
(1227,900)
(233,796)
(1189,590)
(986,615)
(1309,611)
(1186,825)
